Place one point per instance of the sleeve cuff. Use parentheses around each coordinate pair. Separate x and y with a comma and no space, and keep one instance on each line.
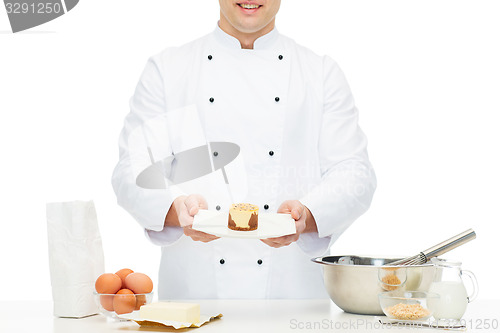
(313,245)
(321,216)
(165,237)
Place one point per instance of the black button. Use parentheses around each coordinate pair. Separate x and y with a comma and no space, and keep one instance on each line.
(266,206)
(277,99)
(218,207)
(222,261)
(271,153)
(216,153)
(259,261)
(209,57)
(280,57)
(211,99)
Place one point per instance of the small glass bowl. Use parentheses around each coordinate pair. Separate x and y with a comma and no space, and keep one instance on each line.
(392,277)
(408,305)
(125,302)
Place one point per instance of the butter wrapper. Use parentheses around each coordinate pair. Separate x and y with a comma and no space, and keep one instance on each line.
(167,323)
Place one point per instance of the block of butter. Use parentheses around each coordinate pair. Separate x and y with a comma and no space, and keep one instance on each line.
(171,311)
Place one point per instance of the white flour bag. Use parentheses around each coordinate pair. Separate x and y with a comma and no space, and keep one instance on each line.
(76,257)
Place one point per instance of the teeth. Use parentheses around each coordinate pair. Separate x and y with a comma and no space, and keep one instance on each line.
(248,6)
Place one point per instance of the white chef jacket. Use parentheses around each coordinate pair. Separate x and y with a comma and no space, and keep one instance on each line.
(293,116)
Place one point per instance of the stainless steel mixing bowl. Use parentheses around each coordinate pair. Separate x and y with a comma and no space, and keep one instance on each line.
(354,283)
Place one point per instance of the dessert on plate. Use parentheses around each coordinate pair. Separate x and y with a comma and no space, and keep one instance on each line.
(243,217)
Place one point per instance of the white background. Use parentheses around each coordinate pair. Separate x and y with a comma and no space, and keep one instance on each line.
(425,76)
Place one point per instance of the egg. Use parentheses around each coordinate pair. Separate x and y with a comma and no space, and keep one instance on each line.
(122,273)
(124,301)
(139,283)
(140,301)
(107,302)
(108,283)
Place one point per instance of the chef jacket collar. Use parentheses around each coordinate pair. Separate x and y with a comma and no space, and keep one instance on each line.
(261,43)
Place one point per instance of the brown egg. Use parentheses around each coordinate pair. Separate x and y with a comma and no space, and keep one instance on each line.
(124,301)
(139,283)
(122,273)
(140,301)
(107,302)
(108,283)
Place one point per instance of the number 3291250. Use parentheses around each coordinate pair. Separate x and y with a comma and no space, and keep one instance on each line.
(33,8)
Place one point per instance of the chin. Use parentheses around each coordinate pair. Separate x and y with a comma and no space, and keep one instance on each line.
(249,30)
(250,26)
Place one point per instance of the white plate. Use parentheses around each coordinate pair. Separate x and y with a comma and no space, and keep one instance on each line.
(270,225)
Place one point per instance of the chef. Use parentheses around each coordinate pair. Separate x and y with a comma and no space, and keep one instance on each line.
(293,117)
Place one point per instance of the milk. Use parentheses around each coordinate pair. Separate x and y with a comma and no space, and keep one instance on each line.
(452,302)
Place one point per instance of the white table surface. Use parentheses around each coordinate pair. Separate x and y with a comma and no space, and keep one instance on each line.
(238,316)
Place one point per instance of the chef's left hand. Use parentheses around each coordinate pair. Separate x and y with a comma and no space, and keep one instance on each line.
(304,222)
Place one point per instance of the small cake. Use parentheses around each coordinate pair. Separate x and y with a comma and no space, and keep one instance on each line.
(243,217)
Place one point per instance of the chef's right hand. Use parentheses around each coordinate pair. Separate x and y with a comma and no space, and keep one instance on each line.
(182,212)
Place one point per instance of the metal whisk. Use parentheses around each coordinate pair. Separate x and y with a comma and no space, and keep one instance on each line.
(436,250)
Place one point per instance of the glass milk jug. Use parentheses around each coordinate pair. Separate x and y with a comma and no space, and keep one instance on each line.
(449,285)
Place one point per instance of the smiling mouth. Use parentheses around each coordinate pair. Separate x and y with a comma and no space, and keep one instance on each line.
(249,5)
